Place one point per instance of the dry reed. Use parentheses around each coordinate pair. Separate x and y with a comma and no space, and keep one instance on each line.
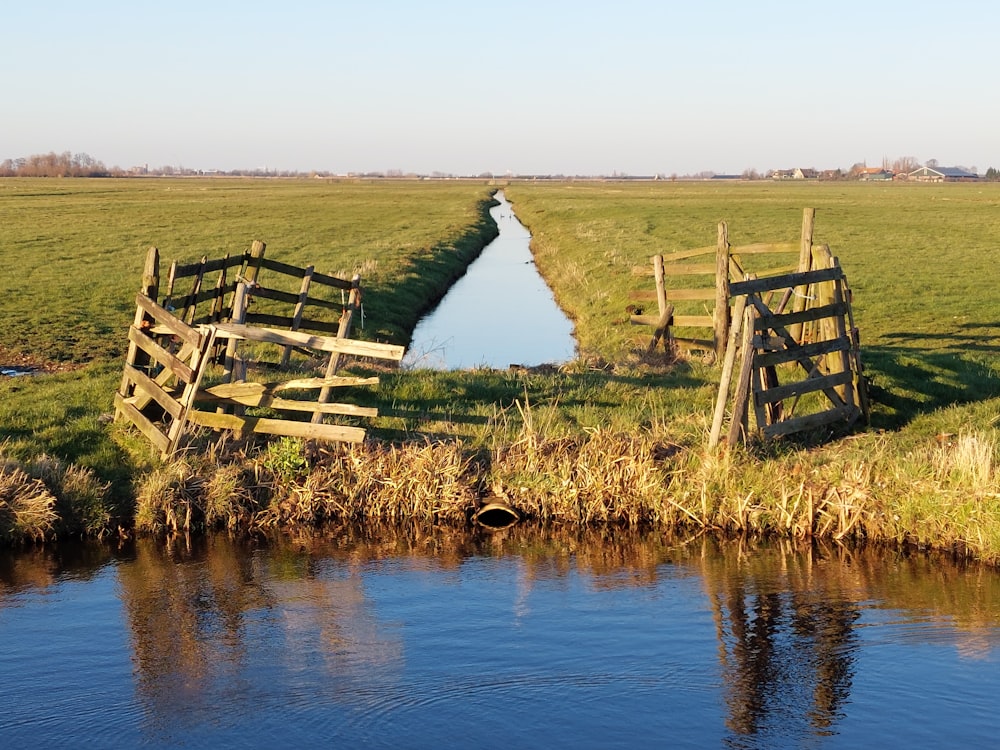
(46,497)
(27,507)
(945,492)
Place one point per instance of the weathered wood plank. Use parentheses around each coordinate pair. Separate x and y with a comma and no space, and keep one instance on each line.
(296,272)
(804,362)
(169,361)
(334,381)
(675,295)
(164,378)
(727,373)
(292,298)
(285,321)
(644,320)
(762,248)
(283,268)
(689,269)
(153,390)
(720,311)
(167,319)
(741,399)
(693,321)
(801,387)
(147,428)
(236,390)
(662,329)
(644,295)
(770,283)
(199,360)
(814,313)
(334,281)
(844,414)
(268,400)
(679,321)
(770,359)
(210,266)
(283,427)
(321,343)
(352,307)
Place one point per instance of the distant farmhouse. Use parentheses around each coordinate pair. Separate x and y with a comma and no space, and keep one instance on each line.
(942,174)
(795,174)
(875,174)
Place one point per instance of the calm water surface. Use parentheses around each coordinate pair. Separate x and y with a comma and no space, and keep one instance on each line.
(501,312)
(521,638)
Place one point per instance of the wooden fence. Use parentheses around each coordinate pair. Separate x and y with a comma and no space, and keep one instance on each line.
(691,287)
(816,341)
(187,359)
(783,306)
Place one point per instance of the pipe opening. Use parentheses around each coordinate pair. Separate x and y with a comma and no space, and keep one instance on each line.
(496,515)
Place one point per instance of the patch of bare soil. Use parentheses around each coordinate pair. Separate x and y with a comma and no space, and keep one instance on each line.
(20,363)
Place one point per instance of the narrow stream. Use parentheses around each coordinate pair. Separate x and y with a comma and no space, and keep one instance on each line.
(500,313)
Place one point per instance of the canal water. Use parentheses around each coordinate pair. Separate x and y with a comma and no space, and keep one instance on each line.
(501,312)
(522,638)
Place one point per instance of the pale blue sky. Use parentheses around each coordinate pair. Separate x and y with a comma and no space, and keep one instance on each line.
(527,86)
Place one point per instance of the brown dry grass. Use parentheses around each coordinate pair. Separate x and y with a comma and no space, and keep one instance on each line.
(947,492)
(27,507)
(47,497)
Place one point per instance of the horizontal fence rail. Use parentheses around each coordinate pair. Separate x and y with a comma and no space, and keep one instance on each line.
(174,345)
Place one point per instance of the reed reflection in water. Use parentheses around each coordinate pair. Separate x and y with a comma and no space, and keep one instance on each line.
(413,638)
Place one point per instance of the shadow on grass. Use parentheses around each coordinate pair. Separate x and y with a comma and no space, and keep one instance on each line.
(427,401)
(906,381)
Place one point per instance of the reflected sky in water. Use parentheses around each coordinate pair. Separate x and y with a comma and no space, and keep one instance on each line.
(501,312)
(522,638)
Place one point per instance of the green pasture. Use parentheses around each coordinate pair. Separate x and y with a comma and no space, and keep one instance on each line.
(72,250)
(919,258)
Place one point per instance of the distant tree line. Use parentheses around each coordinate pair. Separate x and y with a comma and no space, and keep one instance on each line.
(54,165)
(68,164)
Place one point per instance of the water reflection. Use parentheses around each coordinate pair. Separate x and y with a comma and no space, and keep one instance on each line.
(787,639)
(343,628)
(501,312)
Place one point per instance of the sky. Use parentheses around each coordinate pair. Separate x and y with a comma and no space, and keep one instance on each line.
(468,87)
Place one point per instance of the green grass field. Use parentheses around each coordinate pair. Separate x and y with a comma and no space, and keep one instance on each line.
(919,259)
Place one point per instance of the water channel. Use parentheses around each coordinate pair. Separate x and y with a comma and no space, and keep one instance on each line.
(518,639)
(501,312)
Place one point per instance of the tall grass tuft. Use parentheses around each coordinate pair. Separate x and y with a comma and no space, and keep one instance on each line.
(47,497)
(27,507)
(170,498)
(83,501)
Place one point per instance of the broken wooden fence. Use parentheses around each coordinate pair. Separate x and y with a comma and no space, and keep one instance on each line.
(815,339)
(172,346)
(691,287)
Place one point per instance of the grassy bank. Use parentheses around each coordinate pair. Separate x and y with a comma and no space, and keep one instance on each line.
(614,437)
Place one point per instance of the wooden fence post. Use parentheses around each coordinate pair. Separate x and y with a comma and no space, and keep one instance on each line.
(344,331)
(253,263)
(299,309)
(150,288)
(805,264)
(232,364)
(739,427)
(661,288)
(721,312)
(727,372)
